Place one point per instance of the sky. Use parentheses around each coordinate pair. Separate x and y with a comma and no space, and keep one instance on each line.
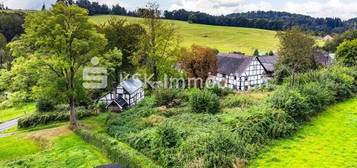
(344,9)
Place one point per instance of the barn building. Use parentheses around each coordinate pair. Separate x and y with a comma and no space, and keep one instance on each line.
(126,94)
(239,72)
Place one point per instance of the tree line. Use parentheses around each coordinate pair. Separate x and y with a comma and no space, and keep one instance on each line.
(265,20)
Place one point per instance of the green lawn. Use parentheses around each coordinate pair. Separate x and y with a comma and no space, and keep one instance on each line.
(56,147)
(329,141)
(16,146)
(17,111)
(225,39)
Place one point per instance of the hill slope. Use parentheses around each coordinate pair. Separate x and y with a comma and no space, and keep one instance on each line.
(225,39)
(328,141)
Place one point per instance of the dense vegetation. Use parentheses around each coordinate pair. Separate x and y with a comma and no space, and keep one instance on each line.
(192,136)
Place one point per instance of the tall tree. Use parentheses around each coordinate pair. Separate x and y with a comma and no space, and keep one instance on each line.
(199,61)
(43,7)
(124,36)
(347,53)
(160,46)
(296,51)
(65,41)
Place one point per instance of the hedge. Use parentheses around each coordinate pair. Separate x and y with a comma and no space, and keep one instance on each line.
(45,118)
(116,151)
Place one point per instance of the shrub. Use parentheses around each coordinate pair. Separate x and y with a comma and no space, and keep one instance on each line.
(117,151)
(165,96)
(45,118)
(205,102)
(317,96)
(237,101)
(45,105)
(215,149)
(216,89)
(261,127)
(291,101)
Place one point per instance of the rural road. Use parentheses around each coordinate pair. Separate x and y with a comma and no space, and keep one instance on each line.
(8,125)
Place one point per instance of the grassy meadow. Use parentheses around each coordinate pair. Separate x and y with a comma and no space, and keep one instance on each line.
(48,147)
(328,141)
(225,39)
(17,111)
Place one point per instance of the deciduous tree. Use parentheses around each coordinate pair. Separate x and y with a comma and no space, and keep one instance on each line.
(65,41)
(296,51)
(160,46)
(199,61)
(347,53)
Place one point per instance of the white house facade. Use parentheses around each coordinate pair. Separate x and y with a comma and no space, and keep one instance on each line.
(126,94)
(239,72)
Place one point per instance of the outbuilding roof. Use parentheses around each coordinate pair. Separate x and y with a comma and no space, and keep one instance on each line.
(132,85)
(268,62)
(232,63)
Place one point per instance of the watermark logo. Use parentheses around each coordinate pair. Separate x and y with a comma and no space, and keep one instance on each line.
(95,77)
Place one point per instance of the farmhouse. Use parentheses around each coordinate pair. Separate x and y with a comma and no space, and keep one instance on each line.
(126,94)
(239,72)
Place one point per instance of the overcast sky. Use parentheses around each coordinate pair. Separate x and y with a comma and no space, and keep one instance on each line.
(344,9)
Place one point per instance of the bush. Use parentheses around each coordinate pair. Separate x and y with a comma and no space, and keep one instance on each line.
(216,149)
(237,101)
(45,118)
(317,96)
(45,105)
(292,102)
(261,127)
(205,102)
(214,88)
(165,96)
(116,151)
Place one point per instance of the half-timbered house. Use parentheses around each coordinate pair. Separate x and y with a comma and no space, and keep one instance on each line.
(239,72)
(128,93)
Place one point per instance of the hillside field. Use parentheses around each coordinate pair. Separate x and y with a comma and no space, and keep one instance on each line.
(327,141)
(225,39)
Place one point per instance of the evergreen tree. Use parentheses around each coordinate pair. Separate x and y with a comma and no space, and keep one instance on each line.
(43,7)
(256,52)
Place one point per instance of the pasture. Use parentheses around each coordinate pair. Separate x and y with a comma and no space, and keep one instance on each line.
(225,39)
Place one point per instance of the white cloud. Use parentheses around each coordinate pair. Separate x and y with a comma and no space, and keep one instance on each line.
(331,8)
(344,9)
(218,7)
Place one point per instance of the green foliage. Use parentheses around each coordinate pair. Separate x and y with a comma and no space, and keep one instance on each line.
(317,96)
(234,100)
(331,46)
(296,52)
(260,128)
(205,101)
(291,101)
(167,97)
(219,91)
(346,53)
(63,41)
(159,47)
(46,118)
(217,149)
(45,105)
(256,52)
(116,151)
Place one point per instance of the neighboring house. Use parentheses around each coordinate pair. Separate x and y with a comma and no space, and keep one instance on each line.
(328,38)
(239,72)
(126,94)
(269,62)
